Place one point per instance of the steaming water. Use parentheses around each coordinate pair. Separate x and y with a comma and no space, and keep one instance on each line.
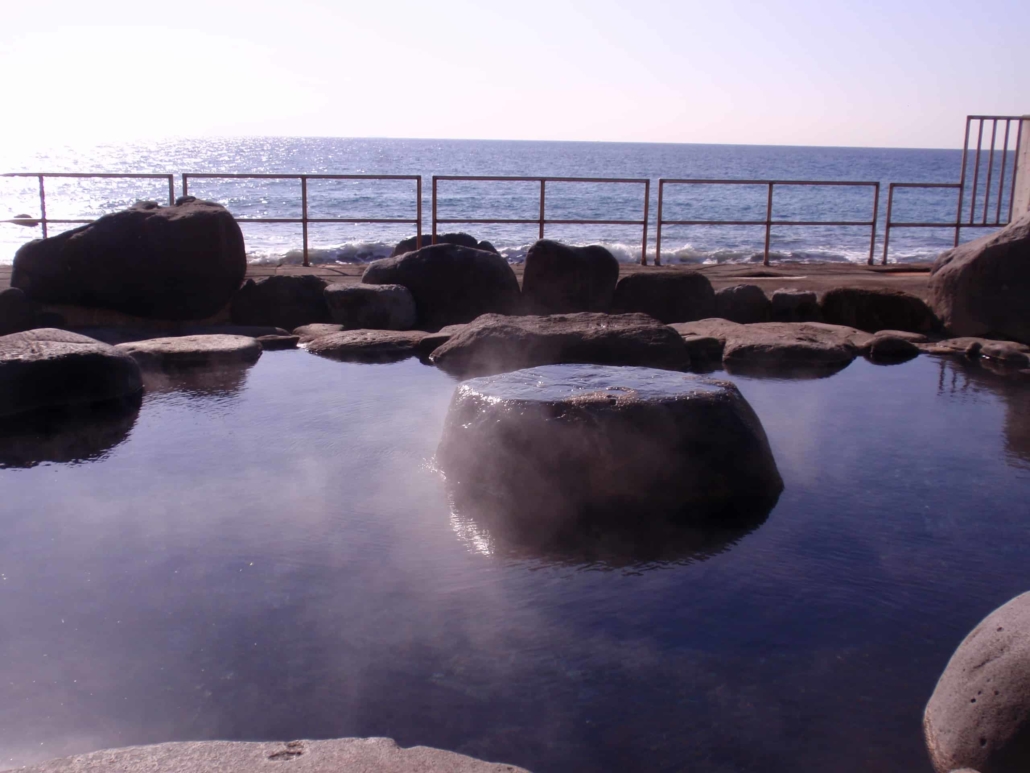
(270,555)
(280,243)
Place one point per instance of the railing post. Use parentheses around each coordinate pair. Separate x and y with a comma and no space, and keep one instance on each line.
(658,226)
(976,171)
(768,224)
(876,211)
(990,170)
(962,177)
(1019,202)
(542,184)
(887,224)
(185,184)
(1001,176)
(647,204)
(434,210)
(171,189)
(418,213)
(42,206)
(304,216)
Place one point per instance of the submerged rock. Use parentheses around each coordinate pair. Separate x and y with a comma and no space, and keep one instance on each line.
(191,351)
(888,346)
(371,306)
(180,262)
(451,285)
(873,310)
(360,755)
(368,345)
(553,446)
(46,368)
(668,296)
(982,288)
(495,343)
(979,713)
(742,303)
(559,279)
(281,301)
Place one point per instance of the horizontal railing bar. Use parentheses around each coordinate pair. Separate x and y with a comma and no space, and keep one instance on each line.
(536,221)
(956,186)
(866,223)
(767,182)
(951,224)
(995,117)
(481,178)
(352,220)
(88,174)
(212,176)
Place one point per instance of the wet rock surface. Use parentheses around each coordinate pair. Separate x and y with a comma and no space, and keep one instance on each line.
(981,288)
(281,301)
(451,284)
(368,345)
(745,304)
(372,307)
(360,755)
(873,310)
(889,347)
(308,333)
(668,296)
(558,279)
(554,447)
(180,262)
(979,713)
(192,351)
(47,368)
(495,343)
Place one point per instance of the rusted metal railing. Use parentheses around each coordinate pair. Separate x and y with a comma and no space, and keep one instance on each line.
(972,221)
(44,221)
(768,222)
(304,219)
(542,219)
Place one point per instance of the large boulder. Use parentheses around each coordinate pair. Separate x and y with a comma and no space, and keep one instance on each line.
(338,755)
(46,368)
(179,262)
(17,312)
(374,307)
(495,343)
(558,279)
(451,285)
(193,351)
(368,346)
(551,446)
(873,310)
(668,296)
(982,288)
(460,239)
(745,304)
(282,301)
(979,714)
(794,306)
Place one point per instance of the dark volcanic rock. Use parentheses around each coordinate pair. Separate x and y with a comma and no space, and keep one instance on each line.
(452,285)
(982,288)
(495,344)
(281,301)
(371,307)
(559,279)
(193,351)
(180,262)
(742,303)
(668,296)
(274,343)
(979,713)
(46,368)
(554,445)
(889,347)
(875,310)
(459,239)
(794,306)
(368,345)
(17,312)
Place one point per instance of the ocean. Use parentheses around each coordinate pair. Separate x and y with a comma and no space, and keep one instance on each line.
(329,243)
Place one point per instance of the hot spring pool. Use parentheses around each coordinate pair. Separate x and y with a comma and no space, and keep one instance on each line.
(269,554)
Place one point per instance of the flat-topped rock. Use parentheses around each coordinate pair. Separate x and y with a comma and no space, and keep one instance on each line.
(368,345)
(494,343)
(189,351)
(550,446)
(308,333)
(342,755)
(45,368)
(371,306)
(873,310)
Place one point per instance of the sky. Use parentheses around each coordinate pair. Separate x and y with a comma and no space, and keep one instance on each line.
(879,73)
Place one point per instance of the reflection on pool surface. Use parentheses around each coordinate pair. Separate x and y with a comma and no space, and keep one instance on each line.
(271,555)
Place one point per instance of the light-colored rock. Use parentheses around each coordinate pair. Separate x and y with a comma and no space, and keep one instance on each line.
(308,333)
(342,755)
(979,713)
(368,345)
(371,307)
(190,351)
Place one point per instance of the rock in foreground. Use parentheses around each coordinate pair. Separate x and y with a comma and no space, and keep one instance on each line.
(451,285)
(341,755)
(368,345)
(178,262)
(979,714)
(495,343)
(191,351)
(982,288)
(46,368)
(557,445)
(559,279)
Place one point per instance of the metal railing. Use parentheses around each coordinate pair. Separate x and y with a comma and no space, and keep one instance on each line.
(972,221)
(768,222)
(304,219)
(44,221)
(542,219)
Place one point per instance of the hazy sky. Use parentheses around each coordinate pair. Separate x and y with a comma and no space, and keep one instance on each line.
(898,73)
